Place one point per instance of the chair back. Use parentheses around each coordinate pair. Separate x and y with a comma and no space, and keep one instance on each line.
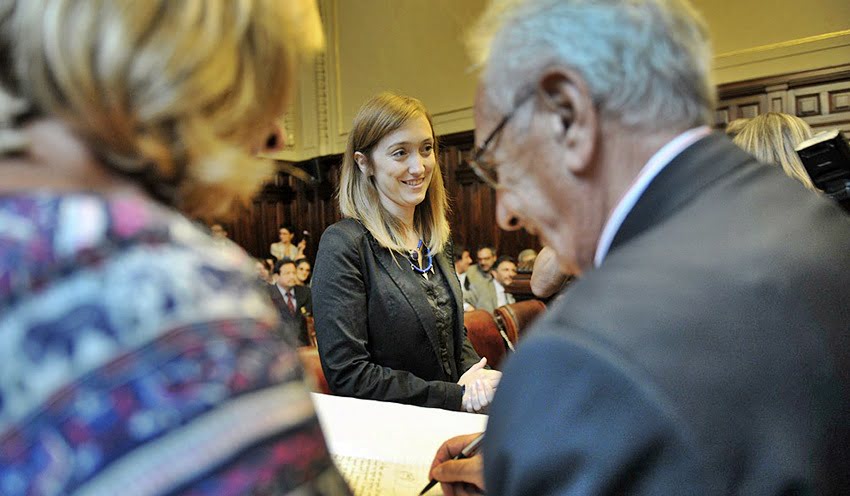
(311,330)
(515,318)
(314,376)
(483,333)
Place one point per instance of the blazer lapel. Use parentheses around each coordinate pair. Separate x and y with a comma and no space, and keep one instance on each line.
(445,262)
(277,299)
(411,289)
(684,177)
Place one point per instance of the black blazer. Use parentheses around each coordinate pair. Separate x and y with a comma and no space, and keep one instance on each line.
(375,328)
(303,305)
(709,354)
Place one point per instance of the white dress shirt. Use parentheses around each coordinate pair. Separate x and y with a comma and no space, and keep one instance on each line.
(653,167)
(502,298)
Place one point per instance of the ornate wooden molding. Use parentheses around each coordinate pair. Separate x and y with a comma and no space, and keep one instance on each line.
(785,81)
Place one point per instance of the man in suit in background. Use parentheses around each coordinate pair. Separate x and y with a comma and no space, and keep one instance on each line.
(462,262)
(479,274)
(293,302)
(492,295)
(705,347)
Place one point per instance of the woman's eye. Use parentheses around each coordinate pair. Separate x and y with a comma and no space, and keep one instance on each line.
(428,148)
(399,153)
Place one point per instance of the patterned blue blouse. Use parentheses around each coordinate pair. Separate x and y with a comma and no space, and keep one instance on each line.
(139,357)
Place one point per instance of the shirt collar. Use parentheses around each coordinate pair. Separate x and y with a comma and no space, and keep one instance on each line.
(653,167)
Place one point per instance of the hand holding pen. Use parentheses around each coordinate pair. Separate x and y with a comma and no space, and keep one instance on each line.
(458,466)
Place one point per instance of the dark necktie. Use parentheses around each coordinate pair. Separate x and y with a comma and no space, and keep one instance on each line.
(290,302)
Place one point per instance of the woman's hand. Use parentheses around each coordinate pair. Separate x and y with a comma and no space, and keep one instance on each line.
(458,477)
(479,386)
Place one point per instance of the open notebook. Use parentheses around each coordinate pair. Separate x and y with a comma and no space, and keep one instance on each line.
(385,449)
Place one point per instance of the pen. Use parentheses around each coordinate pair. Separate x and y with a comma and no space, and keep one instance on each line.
(468,451)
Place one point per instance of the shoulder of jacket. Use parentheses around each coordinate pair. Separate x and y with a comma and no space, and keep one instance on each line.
(349,229)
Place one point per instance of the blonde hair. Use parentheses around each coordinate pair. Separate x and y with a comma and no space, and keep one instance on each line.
(734,127)
(169,93)
(358,196)
(772,137)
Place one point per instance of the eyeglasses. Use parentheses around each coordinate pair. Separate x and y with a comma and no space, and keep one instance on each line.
(484,169)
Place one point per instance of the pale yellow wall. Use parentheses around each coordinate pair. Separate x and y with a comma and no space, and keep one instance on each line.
(757,38)
(416,47)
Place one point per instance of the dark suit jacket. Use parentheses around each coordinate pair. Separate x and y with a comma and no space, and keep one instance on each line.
(707,355)
(303,304)
(375,328)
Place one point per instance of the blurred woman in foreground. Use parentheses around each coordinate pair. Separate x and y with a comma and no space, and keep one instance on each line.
(134,352)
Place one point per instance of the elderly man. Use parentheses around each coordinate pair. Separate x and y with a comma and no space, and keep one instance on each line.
(704,349)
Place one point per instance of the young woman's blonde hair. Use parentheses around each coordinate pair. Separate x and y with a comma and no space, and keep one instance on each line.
(170,93)
(358,196)
(772,137)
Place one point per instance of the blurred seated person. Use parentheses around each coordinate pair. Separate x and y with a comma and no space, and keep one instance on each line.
(293,301)
(772,137)
(133,348)
(303,272)
(389,314)
(493,295)
(525,260)
(285,248)
(217,231)
(219,235)
(479,272)
(462,262)
(734,127)
(263,272)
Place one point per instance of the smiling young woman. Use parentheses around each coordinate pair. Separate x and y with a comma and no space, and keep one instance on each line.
(388,304)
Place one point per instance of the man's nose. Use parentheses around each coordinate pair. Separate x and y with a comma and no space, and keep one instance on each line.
(505,217)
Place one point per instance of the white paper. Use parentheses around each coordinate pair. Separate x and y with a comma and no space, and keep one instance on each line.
(368,477)
(387,448)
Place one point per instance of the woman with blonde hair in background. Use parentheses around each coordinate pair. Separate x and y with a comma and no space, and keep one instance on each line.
(772,137)
(135,354)
(388,304)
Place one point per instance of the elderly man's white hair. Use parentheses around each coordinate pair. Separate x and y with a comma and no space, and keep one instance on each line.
(647,62)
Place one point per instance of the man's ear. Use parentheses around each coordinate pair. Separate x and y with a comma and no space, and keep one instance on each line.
(566,95)
(363,163)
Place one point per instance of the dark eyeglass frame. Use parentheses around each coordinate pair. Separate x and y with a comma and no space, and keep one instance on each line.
(484,170)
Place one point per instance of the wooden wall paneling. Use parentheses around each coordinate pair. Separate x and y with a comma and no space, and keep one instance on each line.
(839,101)
(722,116)
(777,98)
(824,106)
(808,95)
(473,215)
(747,106)
(807,105)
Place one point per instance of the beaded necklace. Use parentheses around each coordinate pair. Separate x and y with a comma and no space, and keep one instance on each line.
(414,259)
